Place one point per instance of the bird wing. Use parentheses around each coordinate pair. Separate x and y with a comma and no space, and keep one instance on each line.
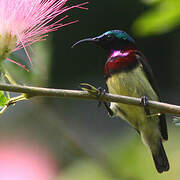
(148,71)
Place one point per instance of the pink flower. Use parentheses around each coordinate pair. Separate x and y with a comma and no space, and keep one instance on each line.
(24,22)
(23,160)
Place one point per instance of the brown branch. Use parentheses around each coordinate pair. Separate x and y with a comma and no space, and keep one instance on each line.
(77,94)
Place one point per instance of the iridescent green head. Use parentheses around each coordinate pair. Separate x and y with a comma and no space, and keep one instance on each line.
(119,35)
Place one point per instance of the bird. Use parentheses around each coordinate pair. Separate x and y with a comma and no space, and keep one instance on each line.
(128,73)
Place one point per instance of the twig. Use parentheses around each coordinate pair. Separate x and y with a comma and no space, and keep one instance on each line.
(77,94)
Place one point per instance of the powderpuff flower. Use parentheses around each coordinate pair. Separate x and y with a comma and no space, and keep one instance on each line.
(24,22)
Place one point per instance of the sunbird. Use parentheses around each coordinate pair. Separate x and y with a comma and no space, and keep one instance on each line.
(128,73)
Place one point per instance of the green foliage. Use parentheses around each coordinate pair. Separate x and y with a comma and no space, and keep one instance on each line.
(3,99)
(85,170)
(163,16)
(125,159)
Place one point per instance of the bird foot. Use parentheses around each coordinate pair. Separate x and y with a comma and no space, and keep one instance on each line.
(98,92)
(144,102)
(102,92)
(89,88)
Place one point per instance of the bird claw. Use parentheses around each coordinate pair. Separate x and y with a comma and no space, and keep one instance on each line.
(89,88)
(98,92)
(144,102)
(92,90)
(103,92)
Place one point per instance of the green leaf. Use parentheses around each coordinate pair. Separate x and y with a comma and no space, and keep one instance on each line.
(3,99)
(151,2)
(162,17)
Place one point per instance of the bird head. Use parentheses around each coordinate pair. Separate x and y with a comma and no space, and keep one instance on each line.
(111,40)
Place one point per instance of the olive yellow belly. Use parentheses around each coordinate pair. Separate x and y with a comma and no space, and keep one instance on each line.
(135,84)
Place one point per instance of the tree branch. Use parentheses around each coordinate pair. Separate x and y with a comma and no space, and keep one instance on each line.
(77,94)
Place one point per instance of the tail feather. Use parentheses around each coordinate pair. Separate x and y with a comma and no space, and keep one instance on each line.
(160,159)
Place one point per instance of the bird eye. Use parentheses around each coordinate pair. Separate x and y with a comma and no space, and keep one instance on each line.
(109,37)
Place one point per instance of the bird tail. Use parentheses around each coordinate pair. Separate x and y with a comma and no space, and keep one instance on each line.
(160,158)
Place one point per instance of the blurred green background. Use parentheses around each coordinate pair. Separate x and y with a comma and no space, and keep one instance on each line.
(85,142)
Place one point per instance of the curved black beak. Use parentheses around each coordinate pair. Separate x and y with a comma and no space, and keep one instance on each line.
(93,40)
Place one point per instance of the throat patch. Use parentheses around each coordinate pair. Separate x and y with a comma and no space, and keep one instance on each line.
(119,61)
